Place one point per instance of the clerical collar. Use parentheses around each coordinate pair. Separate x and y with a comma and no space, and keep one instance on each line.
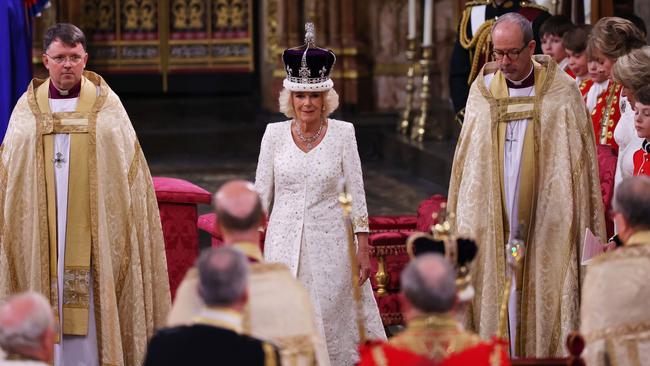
(526,82)
(65,94)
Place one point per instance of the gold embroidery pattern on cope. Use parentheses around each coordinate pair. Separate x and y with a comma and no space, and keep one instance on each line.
(76,287)
(546,311)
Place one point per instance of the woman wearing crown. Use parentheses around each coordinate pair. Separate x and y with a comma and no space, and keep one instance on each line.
(302,164)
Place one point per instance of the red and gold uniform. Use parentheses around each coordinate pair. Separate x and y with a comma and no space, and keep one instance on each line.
(606,114)
(434,340)
(570,72)
(584,86)
(642,159)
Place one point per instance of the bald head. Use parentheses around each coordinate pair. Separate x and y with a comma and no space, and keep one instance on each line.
(26,323)
(429,283)
(238,206)
(632,201)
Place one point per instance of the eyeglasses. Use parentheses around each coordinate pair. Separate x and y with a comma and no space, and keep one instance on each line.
(513,54)
(74,59)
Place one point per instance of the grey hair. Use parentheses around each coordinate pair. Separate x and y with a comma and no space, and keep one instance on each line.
(632,200)
(69,34)
(515,18)
(330,102)
(633,69)
(26,334)
(223,276)
(429,283)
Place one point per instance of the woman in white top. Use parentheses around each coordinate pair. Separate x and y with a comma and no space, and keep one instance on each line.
(302,166)
(632,71)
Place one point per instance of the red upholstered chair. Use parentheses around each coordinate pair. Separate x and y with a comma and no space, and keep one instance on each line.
(177,202)
(607,169)
(388,257)
(388,235)
(208,224)
(426,209)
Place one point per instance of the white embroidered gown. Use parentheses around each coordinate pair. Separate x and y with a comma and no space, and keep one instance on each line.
(306,230)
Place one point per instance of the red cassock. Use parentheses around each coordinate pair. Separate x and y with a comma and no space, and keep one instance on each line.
(606,114)
(642,161)
(489,353)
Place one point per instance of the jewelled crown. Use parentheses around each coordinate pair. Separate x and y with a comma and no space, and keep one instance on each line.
(459,251)
(308,67)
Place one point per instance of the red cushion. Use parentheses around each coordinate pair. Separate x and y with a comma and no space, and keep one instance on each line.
(179,191)
(391,223)
(607,170)
(425,211)
(208,223)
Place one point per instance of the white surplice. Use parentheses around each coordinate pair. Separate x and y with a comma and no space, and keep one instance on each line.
(628,142)
(72,350)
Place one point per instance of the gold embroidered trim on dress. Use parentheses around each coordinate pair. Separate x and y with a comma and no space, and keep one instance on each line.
(360,223)
(76,287)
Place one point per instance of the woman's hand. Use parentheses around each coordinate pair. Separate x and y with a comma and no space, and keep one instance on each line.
(363,257)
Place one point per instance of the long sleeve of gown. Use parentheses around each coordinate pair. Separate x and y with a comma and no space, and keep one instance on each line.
(354,182)
(264,173)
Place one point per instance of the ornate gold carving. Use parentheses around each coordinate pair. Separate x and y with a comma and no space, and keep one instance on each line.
(221,13)
(272,31)
(237,12)
(418,128)
(382,277)
(188,15)
(230,14)
(99,15)
(387,250)
(139,15)
(407,114)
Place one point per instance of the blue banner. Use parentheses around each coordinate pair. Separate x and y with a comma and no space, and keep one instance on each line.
(15,57)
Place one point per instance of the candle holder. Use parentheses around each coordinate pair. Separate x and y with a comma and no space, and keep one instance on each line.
(407,113)
(419,127)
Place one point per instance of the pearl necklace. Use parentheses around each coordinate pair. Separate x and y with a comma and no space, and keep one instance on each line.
(309,140)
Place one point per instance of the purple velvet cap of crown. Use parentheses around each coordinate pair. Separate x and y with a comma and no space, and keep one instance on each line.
(313,74)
